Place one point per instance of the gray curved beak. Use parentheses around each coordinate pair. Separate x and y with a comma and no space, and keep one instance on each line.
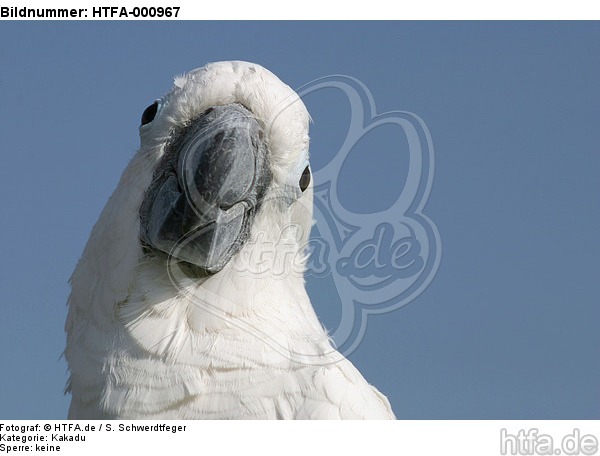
(207,189)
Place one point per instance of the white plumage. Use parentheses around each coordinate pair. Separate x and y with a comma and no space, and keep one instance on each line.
(147,341)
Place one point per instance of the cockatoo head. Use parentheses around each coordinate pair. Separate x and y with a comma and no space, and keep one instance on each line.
(229,145)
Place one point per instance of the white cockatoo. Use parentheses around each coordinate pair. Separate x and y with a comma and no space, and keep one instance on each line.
(187,302)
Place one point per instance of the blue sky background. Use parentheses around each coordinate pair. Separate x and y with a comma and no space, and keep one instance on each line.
(509,328)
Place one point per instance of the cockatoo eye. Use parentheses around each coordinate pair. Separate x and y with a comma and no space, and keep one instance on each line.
(304,179)
(150,113)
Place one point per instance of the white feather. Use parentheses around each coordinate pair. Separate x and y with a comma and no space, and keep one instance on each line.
(243,343)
